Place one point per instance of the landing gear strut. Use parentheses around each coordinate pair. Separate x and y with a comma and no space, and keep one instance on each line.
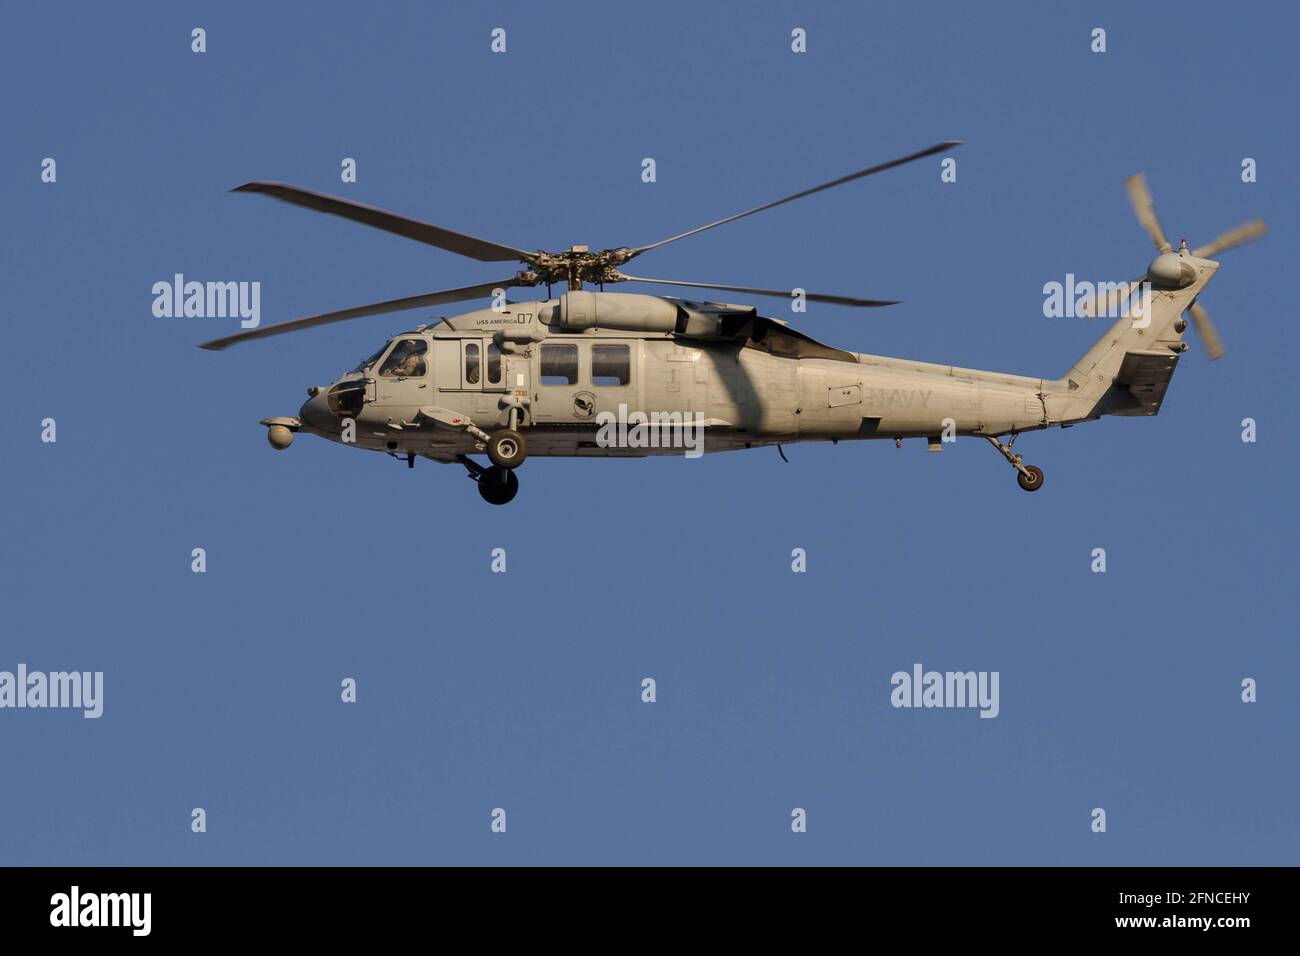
(496,485)
(1030,477)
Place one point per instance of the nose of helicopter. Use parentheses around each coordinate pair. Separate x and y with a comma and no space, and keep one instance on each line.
(315,412)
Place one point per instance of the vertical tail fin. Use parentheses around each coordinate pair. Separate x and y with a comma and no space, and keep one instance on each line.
(1127,370)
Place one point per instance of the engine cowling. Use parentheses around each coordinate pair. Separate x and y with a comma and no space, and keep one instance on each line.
(627,312)
(579,311)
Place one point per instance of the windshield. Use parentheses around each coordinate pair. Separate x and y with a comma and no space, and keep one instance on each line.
(370,361)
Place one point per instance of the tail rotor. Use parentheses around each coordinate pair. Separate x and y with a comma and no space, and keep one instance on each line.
(1172,270)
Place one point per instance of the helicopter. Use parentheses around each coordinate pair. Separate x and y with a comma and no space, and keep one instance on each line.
(551,378)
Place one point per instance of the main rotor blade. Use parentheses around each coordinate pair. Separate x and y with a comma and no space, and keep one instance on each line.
(1232,239)
(457,242)
(376,308)
(810,296)
(939,148)
(1208,334)
(1140,196)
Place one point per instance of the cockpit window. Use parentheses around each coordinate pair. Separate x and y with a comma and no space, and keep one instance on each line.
(367,362)
(406,359)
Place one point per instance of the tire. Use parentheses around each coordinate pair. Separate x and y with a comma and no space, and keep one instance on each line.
(498,486)
(1033,481)
(507,448)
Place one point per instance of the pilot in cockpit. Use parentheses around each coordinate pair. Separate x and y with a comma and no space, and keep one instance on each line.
(407,360)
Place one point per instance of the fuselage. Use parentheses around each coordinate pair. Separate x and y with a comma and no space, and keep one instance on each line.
(767,385)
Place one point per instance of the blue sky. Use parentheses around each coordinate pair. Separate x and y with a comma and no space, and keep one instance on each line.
(522,691)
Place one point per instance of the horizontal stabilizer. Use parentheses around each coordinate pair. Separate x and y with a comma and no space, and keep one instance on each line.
(1146,375)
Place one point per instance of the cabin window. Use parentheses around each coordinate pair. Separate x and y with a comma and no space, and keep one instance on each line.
(493,364)
(471,363)
(406,359)
(559,365)
(611,364)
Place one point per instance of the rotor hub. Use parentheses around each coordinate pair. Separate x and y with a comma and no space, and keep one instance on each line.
(1171,270)
(575,266)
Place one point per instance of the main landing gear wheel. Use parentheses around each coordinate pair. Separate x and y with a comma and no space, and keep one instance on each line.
(507,449)
(498,486)
(1031,479)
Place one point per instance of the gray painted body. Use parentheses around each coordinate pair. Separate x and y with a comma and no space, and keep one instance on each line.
(737,370)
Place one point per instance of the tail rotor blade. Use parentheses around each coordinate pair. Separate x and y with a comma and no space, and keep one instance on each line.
(1145,209)
(1209,335)
(1232,239)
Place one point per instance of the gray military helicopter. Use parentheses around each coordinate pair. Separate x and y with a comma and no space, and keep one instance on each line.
(547,378)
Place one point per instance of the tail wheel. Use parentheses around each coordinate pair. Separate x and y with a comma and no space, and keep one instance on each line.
(1031,481)
(507,448)
(498,486)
